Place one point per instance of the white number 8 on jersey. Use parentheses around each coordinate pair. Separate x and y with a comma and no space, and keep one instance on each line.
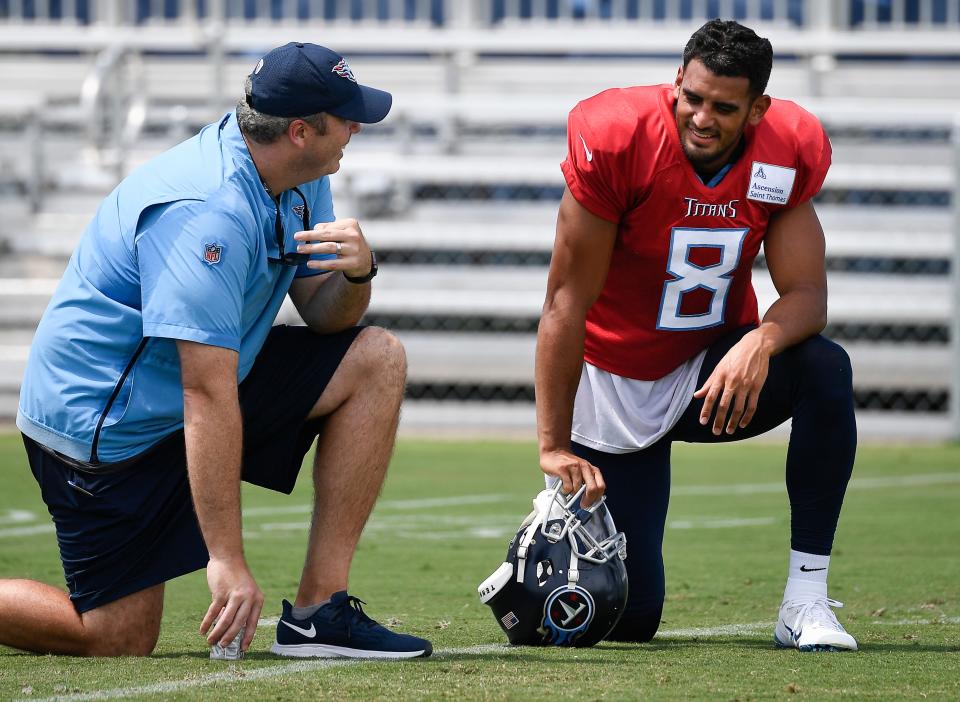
(689,276)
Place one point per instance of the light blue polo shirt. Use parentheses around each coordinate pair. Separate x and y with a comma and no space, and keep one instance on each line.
(179,250)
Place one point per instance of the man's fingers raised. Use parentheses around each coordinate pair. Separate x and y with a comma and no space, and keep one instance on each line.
(252,621)
(213,612)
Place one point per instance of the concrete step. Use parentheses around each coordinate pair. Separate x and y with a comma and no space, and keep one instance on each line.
(851,231)
(508,359)
(509,291)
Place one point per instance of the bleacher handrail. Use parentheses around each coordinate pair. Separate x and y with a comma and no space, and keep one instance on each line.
(815,15)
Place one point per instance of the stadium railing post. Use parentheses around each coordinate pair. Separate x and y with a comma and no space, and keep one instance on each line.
(955,278)
(34,135)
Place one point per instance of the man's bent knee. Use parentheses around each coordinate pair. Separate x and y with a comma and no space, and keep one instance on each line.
(134,641)
(129,626)
(381,352)
(376,363)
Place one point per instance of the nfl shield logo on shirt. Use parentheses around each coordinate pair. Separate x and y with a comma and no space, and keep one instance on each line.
(211,253)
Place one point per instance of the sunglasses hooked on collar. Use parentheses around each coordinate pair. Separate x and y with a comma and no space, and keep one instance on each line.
(289,258)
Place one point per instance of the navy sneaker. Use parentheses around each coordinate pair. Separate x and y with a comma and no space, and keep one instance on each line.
(341,629)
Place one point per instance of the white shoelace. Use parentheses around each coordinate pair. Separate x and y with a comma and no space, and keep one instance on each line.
(818,610)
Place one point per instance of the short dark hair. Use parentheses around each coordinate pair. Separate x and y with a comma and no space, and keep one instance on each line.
(266,129)
(727,48)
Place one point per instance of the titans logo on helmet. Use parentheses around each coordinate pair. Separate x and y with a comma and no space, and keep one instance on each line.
(566,615)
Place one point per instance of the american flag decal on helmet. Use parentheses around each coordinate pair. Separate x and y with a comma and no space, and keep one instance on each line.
(343,70)
(509,620)
(211,253)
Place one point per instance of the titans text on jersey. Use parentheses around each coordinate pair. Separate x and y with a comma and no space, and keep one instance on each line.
(695,208)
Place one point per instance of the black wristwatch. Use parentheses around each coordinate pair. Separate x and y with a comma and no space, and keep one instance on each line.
(360,280)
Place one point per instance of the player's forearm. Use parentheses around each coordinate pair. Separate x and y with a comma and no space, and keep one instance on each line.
(798,314)
(338,304)
(213,433)
(559,362)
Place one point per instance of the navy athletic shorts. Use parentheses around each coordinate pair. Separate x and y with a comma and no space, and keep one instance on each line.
(125,530)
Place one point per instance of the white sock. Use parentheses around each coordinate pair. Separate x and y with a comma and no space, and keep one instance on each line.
(807,576)
(306,612)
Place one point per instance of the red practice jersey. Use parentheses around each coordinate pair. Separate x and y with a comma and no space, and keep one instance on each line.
(680,275)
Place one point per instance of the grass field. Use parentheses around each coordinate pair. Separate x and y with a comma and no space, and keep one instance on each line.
(442,526)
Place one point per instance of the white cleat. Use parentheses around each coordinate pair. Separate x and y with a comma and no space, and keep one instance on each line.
(811,625)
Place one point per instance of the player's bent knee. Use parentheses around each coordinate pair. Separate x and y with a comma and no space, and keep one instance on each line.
(826,363)
(637,626)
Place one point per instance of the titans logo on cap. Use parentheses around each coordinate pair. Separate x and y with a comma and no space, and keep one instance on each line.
(566,615)
(343,70)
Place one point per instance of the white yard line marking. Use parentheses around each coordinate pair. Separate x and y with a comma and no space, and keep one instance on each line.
(444,501)
(241,673)
(711,631)
(918,622)
(720,523)
(425,503)
(27,531)
(424,527)
(17,516)
(923,479)
(493,531)
(855,484)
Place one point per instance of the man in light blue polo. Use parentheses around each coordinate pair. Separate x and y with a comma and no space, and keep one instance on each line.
(156,380)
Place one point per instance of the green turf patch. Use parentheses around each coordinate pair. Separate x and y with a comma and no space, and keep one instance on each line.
(442,525)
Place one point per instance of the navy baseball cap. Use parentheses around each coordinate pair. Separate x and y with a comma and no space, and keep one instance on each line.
(296,79)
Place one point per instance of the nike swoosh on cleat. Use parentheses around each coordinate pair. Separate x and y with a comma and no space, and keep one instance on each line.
(794,636)
(310,633)
(809,570)
(586,149)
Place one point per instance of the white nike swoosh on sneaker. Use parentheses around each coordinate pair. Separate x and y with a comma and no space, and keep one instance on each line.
(311,632)
(586,149)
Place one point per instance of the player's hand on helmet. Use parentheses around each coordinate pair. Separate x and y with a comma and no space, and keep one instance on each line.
(352,255)
(574,472)
(731,393)
(236,602)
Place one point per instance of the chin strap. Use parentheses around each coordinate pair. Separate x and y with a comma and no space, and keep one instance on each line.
(524,544)
(573,572)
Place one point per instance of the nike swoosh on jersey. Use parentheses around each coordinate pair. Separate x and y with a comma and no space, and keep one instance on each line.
(309,633)
(586,149)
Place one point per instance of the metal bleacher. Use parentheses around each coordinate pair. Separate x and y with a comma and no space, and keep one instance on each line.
(457,190)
